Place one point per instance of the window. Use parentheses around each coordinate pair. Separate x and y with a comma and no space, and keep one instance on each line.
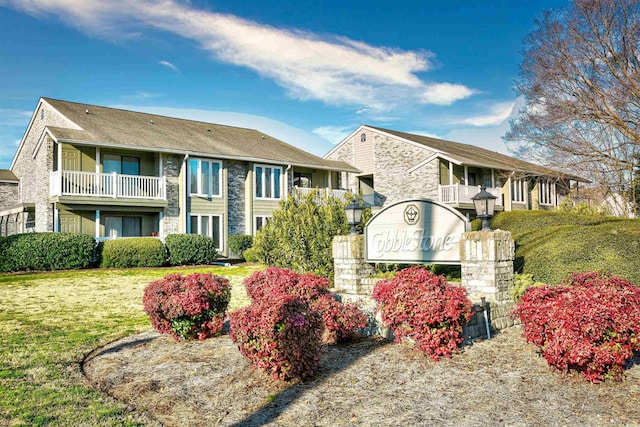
(302,179)
(205,177)
(519,190)
(363,137)
(207,225)
(267,182)
(122,226)
(126,165)
(547,192)
(259,222)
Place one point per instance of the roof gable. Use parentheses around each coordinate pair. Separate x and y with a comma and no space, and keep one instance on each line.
(110,126)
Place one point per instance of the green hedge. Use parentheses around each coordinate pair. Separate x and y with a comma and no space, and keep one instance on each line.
(550,245)
(238,243)
(133,252)
(190,249)
(46,251)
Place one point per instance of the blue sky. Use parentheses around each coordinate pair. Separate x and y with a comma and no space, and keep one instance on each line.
(307,72)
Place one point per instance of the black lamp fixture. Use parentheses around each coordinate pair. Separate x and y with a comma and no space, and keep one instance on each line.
(354,215)
(485,204)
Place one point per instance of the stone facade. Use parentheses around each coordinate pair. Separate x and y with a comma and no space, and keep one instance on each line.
(237,179)
(34,162)
(389,163)
(171,165)
(349,264)
(487,272)
(9,194)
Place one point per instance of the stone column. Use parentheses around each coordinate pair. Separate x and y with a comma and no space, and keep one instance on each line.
(349,266)
(487,271)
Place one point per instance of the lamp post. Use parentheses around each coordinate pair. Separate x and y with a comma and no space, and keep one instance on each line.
(485,204)
(354,215)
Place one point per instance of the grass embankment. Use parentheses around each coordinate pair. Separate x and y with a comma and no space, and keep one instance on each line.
(50,321)
(550,245)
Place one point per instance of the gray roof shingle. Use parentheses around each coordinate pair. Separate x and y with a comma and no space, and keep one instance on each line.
(7,175)
(111,126)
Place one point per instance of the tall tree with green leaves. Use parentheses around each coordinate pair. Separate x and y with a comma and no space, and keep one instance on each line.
(580,79)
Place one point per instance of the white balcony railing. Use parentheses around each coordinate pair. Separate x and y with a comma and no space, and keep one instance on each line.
(339,194)
(457,193)
(75,183)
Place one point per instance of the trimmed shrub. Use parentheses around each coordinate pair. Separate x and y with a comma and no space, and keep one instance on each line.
(238,243)
(522,282)
(341,321)
(590,324)
(280,336)
(46,251)
(190,249)
(188,307)
(424,308)
(250,255)
(299,234)
(551,245)
(133,252)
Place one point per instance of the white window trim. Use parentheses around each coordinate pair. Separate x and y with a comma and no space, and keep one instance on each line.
(209,218)
(255,222)
(199,175)
(546,189)
(255,182)
(519,183)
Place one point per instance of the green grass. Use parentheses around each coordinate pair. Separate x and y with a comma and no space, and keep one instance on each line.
(50,321)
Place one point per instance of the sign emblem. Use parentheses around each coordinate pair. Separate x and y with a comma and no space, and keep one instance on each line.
(411,215)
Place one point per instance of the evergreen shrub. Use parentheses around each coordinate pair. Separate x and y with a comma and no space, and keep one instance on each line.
(299,234)
(589,324)
(46,251)
(133,252)
(238,243)
(422,307)
(190,249)
(188,307)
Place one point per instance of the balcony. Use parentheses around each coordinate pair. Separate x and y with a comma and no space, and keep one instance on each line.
(322,192)
(457,194)
(112,185)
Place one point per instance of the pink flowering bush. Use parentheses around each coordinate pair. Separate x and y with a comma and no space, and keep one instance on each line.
(589,324)
(188,307)
(423,307)
(281,336)
(341,321)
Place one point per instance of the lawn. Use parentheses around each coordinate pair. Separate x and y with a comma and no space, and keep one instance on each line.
(50,321)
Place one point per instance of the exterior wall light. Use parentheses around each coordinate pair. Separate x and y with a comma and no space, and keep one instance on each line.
(485,204)
(354,215)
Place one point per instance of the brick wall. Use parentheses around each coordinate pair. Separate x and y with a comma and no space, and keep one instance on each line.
(9,194)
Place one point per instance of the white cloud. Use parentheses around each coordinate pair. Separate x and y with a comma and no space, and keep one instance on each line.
(289,134)
(334,70)
(169,65)
(333,134)
(139,95)
(425,133)
(445,93)
(498,113)
(7,151)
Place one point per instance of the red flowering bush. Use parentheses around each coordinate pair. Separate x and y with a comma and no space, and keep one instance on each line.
(590,324)
(281,336)
(188,307)
(341,321)
(423,307)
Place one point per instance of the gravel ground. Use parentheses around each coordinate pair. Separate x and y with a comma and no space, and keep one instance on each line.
(502,381)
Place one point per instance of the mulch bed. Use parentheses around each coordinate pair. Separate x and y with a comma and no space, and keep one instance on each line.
(502,381)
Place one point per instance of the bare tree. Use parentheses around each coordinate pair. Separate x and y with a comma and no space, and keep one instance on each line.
(580,78)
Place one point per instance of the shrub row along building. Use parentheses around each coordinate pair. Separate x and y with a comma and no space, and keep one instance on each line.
(113,173)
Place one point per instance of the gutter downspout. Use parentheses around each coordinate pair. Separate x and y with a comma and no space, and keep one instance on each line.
(185,199)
